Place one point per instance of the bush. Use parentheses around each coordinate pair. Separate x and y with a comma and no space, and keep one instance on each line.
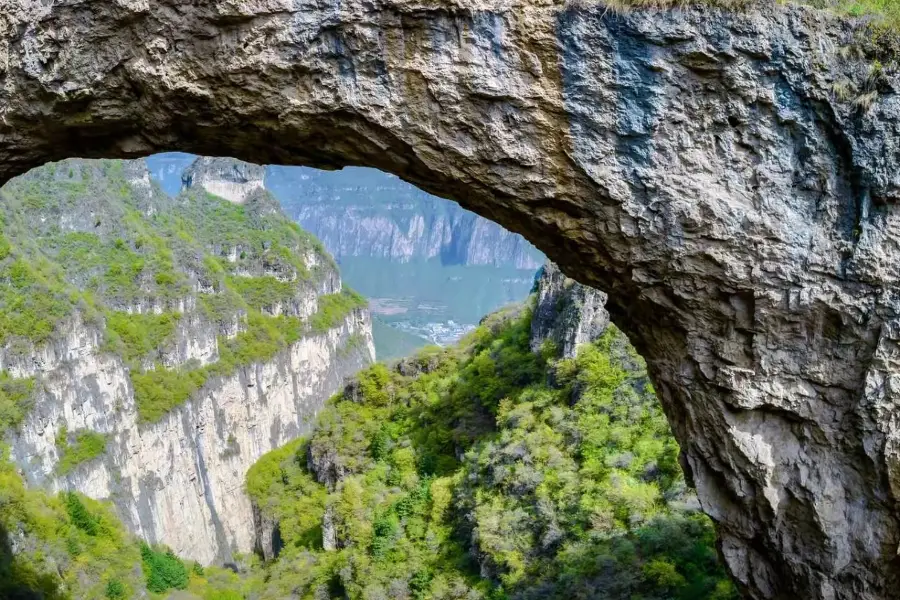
(115,590)
(334,308)
(80,516)
(134,336)
(264,292)
(163,570)
(158,391)
(15,400)
(87,446)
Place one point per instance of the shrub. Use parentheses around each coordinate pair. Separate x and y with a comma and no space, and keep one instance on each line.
(87,446)
(380,444)
(134,336)
(115,590)
(263,292)
(334,308)
(15,400)
(163,570)
(158,391)
(80,516)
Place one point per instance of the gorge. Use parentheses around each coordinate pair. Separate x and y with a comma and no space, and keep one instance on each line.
(108,373)
(728,177)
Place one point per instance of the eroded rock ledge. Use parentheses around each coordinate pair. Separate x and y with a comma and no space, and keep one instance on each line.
(694,164)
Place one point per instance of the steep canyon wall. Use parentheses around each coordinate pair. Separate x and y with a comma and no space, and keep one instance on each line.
(180,481)
(363,212)
(176,478)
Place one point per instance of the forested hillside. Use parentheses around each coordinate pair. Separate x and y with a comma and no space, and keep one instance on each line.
(485,470)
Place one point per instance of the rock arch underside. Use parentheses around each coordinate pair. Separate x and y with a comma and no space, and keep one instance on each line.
(695,164)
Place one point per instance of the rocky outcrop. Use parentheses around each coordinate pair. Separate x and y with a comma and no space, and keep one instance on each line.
(366,213)
(329,530)
(729,178)
(223,177)
(268,535)
(566,313)
(323,461)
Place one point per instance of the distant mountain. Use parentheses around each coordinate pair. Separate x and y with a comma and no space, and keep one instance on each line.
(360,212)
(167,169)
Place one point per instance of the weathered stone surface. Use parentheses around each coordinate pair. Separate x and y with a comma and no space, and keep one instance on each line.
(230,179)
(566,313)
(694,164)
(329,530)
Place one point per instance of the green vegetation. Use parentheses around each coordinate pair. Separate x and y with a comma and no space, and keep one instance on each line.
(116,590)
(333,308)
(32,300)
(255,234)
(164,570)
(74,548)
(883,12)
(263,292)
(15,400)
(487,471)
(480,471)
(159,390)
(71,547)
(135,336)
(79,241)
(118,270)
(77,448)
(80,516)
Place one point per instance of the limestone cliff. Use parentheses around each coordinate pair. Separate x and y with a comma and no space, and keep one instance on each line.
(728,177)
(230,179)
(366,213)
(177,478)
(566,313)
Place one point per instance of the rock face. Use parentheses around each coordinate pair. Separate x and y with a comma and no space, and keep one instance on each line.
(367,213)
(233,180)
(179,480)
(566,313)
(728,178)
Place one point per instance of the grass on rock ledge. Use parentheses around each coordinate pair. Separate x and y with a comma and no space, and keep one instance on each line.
(877,22)
(15,400)
(84,446)
(159,390)
(885,12)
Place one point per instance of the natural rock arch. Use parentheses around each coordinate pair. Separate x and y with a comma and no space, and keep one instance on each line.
(694,164)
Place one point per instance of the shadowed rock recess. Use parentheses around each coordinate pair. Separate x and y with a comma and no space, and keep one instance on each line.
(694,164)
